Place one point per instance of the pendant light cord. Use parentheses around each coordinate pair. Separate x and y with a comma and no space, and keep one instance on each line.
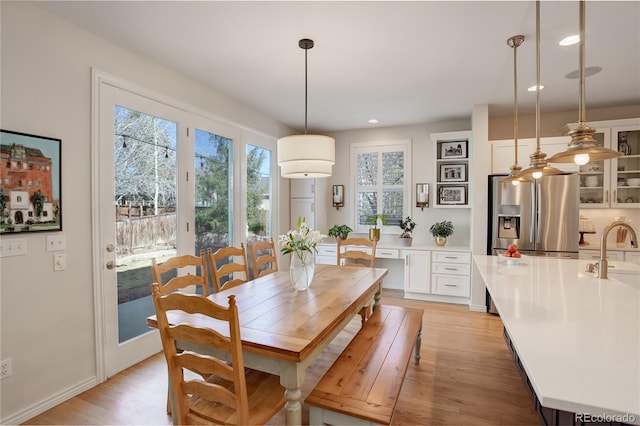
(538,75)
(515,100)
(581,117)
(305,91)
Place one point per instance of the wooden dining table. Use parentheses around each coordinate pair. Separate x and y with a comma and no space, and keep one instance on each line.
(283,330)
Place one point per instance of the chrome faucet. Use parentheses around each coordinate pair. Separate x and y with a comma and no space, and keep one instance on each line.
(604,264)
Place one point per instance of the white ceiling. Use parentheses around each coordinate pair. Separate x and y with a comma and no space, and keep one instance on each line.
(400,62)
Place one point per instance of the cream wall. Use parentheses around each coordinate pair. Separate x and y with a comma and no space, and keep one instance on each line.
(47,318)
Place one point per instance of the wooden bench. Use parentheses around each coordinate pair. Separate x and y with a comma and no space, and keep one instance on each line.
(363,384)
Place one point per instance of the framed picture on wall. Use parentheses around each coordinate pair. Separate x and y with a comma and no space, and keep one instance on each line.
(30,183)
(452,195)
(453,149)
(453,172)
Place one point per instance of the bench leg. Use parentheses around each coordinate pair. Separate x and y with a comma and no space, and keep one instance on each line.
(416,353)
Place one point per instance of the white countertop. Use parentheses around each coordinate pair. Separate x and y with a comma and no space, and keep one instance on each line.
(414,246)
(578,336)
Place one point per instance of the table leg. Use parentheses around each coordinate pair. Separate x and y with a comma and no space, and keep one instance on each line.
(291,377)
(376,297)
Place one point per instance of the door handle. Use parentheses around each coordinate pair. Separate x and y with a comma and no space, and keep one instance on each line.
(110,248)
(532,219)
(111,264)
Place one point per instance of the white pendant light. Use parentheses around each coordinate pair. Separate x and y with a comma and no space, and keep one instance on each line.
(538,166)
(583,148)
(306,156)
(514,176)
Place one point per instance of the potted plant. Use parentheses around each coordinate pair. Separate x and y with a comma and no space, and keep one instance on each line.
(374,231)
(407,226)
(340,231)
(441,230)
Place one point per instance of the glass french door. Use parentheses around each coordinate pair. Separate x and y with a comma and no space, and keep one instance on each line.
(164,182)
(138,197)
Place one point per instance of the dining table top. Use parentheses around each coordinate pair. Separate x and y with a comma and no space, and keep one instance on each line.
(281,322)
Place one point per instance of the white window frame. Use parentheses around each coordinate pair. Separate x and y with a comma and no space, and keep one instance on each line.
(380,147)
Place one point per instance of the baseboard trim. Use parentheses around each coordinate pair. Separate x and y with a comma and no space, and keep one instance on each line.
(477,308)
(50,402)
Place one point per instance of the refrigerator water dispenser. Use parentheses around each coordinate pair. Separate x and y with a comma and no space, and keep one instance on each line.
(509,227)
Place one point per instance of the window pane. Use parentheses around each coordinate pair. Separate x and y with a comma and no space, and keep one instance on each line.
(393,168)
(145,201)
(367,205)
(392,205)
(213,197)
(367,166)
(258,192)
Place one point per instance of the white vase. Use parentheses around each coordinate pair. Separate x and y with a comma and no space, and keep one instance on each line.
(303,266)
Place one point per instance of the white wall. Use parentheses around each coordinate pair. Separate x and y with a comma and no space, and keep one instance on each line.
(47,318)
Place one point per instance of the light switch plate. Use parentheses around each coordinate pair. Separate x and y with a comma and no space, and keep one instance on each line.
(56,242)
(59,262)
(13,247)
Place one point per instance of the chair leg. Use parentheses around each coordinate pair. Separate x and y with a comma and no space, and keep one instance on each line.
(168,403)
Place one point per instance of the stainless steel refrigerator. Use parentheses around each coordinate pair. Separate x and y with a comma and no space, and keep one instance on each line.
(540,217)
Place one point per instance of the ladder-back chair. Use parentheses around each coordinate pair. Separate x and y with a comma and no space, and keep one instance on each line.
(232,260)
(219,392)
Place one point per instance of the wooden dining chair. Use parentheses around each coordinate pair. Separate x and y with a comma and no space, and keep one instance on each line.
(219,392)
(358,252)
(232,260)
(263,258)
(174,265)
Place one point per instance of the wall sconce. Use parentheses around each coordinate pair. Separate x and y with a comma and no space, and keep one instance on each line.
(338,196)
(422,195)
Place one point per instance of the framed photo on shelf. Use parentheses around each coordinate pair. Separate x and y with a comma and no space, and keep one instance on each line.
(452,195)
(30,183)
(452,172)
(453,149)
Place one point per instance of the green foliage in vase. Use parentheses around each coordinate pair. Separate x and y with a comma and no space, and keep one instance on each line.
(442,229)
(340,231)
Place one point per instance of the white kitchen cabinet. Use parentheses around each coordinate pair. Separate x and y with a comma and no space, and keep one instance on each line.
(417,264)
(309,199)
(612,255)
(303,188)
(502,153)
(609,183)
(451,273)
(327,254)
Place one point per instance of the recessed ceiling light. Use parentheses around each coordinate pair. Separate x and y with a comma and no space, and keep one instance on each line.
(587,72)
(373,121)
(533,88)
(571,40)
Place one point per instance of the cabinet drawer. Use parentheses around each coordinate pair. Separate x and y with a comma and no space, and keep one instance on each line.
(326,260)
(450,285)
(451,257)
(451,268)
(387,253)
(327,250)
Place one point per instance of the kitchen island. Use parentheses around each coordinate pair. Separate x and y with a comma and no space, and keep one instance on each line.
(575,336)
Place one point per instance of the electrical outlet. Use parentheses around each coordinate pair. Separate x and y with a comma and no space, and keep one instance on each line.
(5,368)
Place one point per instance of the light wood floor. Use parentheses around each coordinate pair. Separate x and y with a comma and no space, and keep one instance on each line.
(466,377)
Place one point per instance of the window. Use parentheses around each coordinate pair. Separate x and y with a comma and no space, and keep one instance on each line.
(381,174)
(259,183)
